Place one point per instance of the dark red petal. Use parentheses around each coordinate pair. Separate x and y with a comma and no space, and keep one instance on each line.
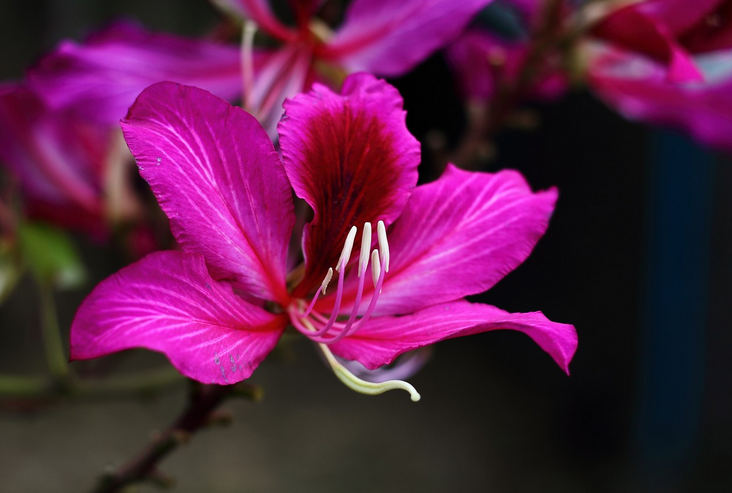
(351,157)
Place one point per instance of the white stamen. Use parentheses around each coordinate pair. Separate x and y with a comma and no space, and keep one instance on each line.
(326,280)
(375,266)
(363,386)
(347,248)
(363,261)
(383,244)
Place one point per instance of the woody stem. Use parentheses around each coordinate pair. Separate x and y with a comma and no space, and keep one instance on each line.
(198,414)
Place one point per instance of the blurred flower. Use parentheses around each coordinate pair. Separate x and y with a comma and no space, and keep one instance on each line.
(101,77)
(483,62)
(59,130)
(60,161)
(507,57)
(217,307)
(667,62)
(383,37)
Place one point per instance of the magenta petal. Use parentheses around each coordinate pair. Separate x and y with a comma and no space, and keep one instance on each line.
(384,338)
(460,235)
(351,158)
(218,178)
(389,38)
(101,77)
(712,30)
(169,303)
(678,15)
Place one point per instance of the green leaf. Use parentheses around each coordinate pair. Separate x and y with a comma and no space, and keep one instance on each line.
(50,255)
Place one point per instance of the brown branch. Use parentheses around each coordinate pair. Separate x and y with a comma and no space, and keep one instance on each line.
(199,413)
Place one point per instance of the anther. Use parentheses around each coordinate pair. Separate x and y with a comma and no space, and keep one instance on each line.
(375,266)
(326,280)
(347,248)
(383,244)
(365,248)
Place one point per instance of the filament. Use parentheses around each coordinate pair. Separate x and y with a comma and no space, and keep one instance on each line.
(364,387)
(247,59)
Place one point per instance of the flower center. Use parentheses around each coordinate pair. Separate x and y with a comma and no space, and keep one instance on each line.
(328,329)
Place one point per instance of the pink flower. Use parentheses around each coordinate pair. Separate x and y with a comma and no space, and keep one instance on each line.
(668,62)
(383,37)
(218,306)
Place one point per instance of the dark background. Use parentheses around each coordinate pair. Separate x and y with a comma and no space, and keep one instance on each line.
(637,256)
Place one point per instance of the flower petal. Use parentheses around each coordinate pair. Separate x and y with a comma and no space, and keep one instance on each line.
(384,338)
(459,236)
(678,15)
(633,29)
(389,38)
(218,178)
(351,158)
(168,302)
(637,88)
(101,77)
(57,159)
(713,29)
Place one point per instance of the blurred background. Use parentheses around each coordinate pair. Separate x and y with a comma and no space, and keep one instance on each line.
(637,256)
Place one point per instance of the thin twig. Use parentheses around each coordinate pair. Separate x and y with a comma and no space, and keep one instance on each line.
(198,414)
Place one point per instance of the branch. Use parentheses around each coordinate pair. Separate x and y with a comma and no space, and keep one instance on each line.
(199,413)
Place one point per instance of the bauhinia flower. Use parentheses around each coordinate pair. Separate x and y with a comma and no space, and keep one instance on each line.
(668,62)
(385,264)
(383,37)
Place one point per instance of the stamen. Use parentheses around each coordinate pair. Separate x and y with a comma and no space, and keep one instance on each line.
(321,289)
(375,267)
(352,327)
(326,281)
(347,248)
(383,243)
(370,388)
(365,248)
(336,306)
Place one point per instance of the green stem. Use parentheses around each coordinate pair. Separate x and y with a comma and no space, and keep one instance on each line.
(139,385)
(14,386)
(143,384)
(53,344)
